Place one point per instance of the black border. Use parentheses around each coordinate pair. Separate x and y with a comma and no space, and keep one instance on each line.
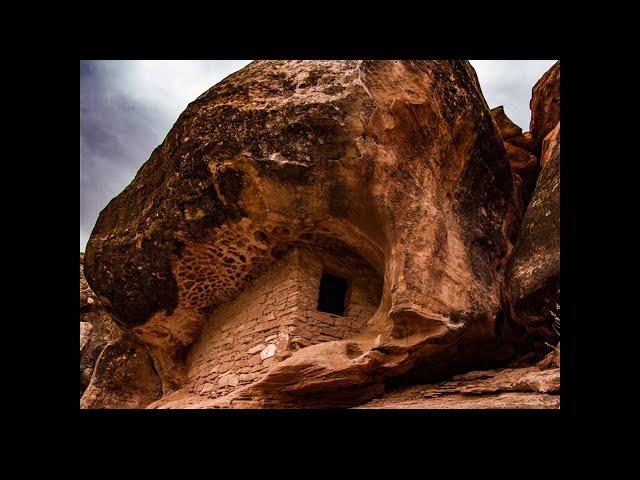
(57,250)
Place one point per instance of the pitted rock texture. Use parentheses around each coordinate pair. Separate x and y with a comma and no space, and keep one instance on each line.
(533,274)
(97,328)
(545,104)
(399,161)
(277,315)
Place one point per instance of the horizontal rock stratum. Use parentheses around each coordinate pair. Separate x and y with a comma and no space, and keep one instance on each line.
(394,166)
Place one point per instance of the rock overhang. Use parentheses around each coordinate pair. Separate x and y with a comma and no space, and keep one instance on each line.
(401,161)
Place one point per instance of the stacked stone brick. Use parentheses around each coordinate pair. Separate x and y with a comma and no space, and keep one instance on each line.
(275,316)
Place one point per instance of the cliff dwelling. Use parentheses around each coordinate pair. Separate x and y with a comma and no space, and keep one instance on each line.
(324,233)
(313,294)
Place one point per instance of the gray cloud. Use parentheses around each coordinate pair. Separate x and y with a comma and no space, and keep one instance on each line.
(509,83)
(128,107)
(126,110)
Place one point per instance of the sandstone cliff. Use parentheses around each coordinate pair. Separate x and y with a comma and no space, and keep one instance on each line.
(395,167)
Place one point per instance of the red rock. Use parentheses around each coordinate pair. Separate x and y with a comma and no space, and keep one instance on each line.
(545,104)
(524,141)
(507,128)
(518,193)
(495,389)
(533,272)
(525,165)
(550,143)
(552,359)
(522,162)
(399,162)
(529,387)
(99,326)
(124,377)
(85,335)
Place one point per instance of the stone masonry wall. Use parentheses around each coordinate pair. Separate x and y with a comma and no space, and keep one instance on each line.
(275,316)
(363,296)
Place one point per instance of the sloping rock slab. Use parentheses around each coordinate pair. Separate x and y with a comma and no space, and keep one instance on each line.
(508,388)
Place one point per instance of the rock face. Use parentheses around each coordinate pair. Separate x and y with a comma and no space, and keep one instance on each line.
(97,328)
(533,274)
(530,387)
(124,377)
(397,161)
(519,148)
(545,104)
(507,128)
(552,359)
(549,145)
(522,162)
(524,141)
(85,335)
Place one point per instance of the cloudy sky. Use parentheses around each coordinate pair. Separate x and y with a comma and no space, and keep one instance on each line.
(128,106)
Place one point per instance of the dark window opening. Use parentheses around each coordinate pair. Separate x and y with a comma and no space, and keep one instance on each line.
(333,291)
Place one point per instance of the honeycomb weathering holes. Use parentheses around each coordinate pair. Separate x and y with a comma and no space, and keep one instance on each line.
(217,271)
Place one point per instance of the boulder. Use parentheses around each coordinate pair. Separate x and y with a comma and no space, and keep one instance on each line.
(87,297)
(552,359)
(99,328)
(507,128)
(524,141)
(399,160)
(545,104)
(519,148)
(522,162)
(124,377)
(533,272)
(85,335)
(550,143)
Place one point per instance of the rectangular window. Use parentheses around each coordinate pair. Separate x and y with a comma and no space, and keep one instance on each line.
(333,291)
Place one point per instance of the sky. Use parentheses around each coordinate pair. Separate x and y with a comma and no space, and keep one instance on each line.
(127,107)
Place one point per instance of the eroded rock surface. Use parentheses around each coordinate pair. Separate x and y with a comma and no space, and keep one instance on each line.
(524,141)
(545,104)
(124,377)
(552,359)
(530,387)
(522,162)
(97,328)
(507,128)
(519,148)
(533,274)
(549,145)
(85,335)
(400,161)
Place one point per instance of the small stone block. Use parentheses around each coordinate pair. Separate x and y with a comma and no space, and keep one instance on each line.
(268,352)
